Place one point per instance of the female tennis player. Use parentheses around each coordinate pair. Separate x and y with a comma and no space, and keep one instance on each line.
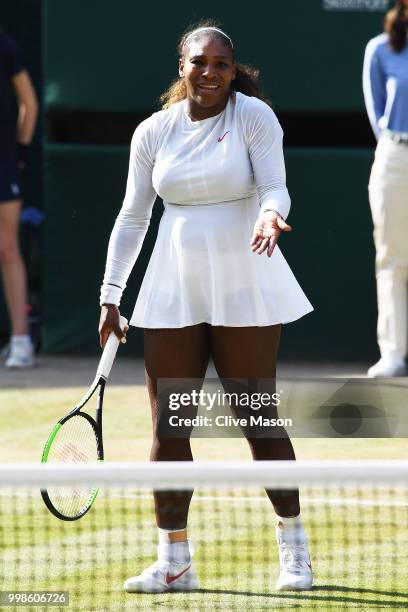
(216,285)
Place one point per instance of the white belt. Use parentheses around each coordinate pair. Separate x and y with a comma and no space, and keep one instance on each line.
(399,137)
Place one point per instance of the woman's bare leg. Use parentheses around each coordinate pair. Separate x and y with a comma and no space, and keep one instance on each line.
(250,354)
(182,355)
(12,267)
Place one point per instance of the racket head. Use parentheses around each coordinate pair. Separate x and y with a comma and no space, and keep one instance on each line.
(74,439)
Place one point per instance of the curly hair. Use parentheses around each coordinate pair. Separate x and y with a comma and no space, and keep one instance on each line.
(246,81)
(396,26)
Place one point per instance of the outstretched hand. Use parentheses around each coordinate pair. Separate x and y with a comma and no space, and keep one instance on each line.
(267,229)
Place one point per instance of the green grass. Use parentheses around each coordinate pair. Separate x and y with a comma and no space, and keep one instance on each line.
(354,554)
(27,417)
(354,546)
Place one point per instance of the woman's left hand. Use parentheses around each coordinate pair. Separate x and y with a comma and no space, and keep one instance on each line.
(267,230)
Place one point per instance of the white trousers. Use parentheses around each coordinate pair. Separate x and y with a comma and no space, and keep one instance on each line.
(388,192)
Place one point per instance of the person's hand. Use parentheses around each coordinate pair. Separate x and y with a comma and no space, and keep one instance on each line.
(267,229)
(110,322)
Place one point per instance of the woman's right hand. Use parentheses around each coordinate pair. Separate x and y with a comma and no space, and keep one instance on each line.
(110,322)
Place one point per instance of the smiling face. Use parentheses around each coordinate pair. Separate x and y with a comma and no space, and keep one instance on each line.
(208,68)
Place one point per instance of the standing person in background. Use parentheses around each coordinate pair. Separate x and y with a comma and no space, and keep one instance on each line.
(385,83)
(13,155)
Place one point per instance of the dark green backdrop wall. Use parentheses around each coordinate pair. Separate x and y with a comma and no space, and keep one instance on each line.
(120,56)
(116,58)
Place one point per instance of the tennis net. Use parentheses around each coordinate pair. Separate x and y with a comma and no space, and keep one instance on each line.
(355,515)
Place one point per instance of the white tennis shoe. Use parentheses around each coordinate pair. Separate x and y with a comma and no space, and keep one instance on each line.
(387,367)
(295,565)
(20,354)
(166,574)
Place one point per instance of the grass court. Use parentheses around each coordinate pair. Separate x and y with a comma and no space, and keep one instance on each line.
(359,548)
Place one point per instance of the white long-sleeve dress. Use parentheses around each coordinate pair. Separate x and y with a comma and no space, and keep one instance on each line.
(213,176)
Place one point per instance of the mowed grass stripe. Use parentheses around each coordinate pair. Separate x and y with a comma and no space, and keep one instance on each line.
(244,560)
(28,416)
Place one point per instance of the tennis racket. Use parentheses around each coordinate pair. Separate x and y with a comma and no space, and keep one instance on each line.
(77,438)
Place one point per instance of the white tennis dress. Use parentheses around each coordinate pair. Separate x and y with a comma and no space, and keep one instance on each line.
(213,175)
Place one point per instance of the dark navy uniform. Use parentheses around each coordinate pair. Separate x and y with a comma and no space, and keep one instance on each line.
(10,65)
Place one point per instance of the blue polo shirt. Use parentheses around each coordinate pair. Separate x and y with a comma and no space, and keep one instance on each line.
(10,65)
(385,85)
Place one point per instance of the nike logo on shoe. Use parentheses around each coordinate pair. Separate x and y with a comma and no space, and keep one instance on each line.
(221,138)
(170,579)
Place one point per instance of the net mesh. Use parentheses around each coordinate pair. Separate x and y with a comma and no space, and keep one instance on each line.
(74,442)
(357,532)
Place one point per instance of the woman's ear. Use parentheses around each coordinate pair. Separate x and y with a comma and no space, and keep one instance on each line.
(234,73)
(181,67)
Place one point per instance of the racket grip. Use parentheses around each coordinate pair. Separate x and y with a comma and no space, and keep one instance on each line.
(109,352)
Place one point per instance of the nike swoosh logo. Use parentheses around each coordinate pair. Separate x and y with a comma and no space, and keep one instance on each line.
(309,564)
(170,579)
(221,138)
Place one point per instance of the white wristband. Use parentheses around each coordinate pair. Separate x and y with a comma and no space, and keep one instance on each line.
(110,294)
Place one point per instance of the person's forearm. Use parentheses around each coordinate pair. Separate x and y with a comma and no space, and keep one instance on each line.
(27,119)
(124,246)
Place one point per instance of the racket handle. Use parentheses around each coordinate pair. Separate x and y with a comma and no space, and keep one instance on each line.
(109,352)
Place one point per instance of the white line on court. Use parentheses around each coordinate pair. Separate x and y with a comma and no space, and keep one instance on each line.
(336,501)
(304,500)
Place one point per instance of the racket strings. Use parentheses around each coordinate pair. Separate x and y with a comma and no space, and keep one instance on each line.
(75,442)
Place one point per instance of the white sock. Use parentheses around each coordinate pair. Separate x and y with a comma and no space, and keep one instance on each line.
(290,531)
(287,522)
(21,340)
(178,552)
